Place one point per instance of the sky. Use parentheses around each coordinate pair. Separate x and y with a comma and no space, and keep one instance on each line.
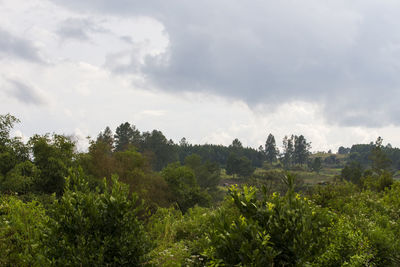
(210,71)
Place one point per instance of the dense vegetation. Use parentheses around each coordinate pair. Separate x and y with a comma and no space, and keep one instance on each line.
(139,199)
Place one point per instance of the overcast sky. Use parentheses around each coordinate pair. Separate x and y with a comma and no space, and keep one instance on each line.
(209,70)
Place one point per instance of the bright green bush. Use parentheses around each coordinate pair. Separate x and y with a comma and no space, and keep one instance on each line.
(21,228)
(20,179)
(93,228)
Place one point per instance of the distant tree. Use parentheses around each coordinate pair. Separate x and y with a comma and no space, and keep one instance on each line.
(6,124)
(301,150)
(271,151)
(183,142)
(343,150)
(379,160)
(12,150)
(53,157)
(236,143)
(161,150)
(239,165)
(288,151)
(123,136)
(331,160)
(207,174)
(245,168)
(352,172)
(106,137)
(126,135)
(182,182)
(317,164)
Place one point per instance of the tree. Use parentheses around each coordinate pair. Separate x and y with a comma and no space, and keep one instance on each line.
(301,150)
(316,164)
(207,174)
(379,160)
(53,157)
(352,172)
(106,137)
(288,151)
(162,150)
(239,165)
(236,144)
(343,150)
(6,124)
(12,150)
(271,151)
(182,182)
(126,135)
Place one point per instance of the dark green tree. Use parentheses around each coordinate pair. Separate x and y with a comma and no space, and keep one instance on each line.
(106,137)
(288,151)
(316,164)
(343,150)
(379,160)
(53,157)
(352,172)
(126,135)
(207,174)
(182,182)
(240,166)
(301,150)
(161,150)
(12,150)
(271,150)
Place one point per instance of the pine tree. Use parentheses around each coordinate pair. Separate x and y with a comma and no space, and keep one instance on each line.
(271,151)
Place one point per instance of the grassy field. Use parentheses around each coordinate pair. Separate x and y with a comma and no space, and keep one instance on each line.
(310,178)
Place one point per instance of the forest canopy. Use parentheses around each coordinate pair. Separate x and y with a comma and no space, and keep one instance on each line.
(139,199)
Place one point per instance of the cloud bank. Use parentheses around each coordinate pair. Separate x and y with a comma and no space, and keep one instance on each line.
(342,54)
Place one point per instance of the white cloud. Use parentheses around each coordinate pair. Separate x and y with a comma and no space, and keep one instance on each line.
(209,71)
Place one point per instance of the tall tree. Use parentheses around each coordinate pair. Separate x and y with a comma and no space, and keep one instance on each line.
(126,135)
(53,157)
(106,137)
(161,150)
(301,150)
(123,136)
(379,160)
(271,151)
(288,150)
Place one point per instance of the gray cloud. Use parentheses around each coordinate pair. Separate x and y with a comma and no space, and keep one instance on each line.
(14,46)
(78,29)
(342,54)
(25,93)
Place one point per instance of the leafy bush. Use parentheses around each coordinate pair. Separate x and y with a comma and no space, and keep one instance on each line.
(92,228)
(21,228)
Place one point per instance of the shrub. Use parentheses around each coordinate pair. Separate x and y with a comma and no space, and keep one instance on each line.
(92,228)
(21,228)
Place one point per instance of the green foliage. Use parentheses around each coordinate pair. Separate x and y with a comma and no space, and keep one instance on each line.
(125,136)
(161,151)
(275,230)
(207,174)
(52,156)
(316,165)
(352,172)
(184,188)
(21,229)
(271,152)
(376,182)
(239,165)
(21,179)
(92,228)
